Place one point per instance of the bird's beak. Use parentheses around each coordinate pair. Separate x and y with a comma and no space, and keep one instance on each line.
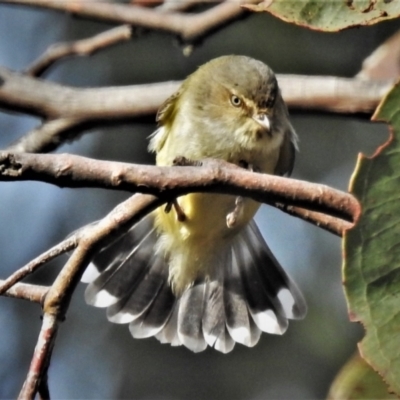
(263,120)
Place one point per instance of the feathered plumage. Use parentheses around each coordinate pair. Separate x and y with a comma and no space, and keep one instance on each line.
(249,294)
(202,274)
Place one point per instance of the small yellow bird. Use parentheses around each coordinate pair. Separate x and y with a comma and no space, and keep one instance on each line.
(198,271)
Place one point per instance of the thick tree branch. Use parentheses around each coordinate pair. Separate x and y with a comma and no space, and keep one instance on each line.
(20,92)
(214,176)
(333,94)
(68,111)
(188,26)
(50,100)
(82,47)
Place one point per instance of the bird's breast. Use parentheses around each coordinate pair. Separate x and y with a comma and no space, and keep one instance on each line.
(205,218)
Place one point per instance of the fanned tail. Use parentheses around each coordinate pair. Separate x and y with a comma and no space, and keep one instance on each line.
(246,293)
(130,280)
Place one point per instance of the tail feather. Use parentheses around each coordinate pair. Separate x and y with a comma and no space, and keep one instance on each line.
(238,321)
(141,295)
(265,310)
(167,334)
(246,292)
(213,322)
(156,316)
(190,316)
(224,343)
(119,277)
(274,279)
(255,333)
(170,332)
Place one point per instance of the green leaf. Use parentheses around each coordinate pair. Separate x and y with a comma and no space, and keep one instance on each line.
(330,15)
(371,269)
(357,381)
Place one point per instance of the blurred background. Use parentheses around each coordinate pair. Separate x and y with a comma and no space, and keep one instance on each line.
(95,359)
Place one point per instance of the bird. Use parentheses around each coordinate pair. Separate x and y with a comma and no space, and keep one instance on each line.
(197,272)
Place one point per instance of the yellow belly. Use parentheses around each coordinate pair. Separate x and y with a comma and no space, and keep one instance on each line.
(191,245)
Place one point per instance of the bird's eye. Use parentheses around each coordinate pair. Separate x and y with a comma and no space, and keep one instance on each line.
(236,101)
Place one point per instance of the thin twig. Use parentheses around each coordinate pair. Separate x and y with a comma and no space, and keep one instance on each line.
(82,47)
(25,291)
(188,26)
(47,137)
(61,248)
(215,176)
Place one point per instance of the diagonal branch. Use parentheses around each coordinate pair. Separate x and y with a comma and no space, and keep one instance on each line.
(57,298)
(41,358)
(47,137)
(61,248)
